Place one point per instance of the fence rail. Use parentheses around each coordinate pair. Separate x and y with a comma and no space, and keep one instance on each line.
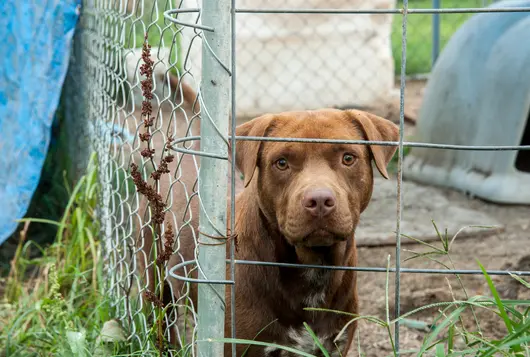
(145,113)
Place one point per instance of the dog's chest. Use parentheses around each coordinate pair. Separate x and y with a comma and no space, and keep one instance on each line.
(301,340)
(316,283)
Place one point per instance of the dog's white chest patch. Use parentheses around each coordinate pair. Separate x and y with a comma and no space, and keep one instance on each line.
(301,340)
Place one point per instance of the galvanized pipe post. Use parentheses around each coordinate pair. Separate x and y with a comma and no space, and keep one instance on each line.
(435,33)
(215,109)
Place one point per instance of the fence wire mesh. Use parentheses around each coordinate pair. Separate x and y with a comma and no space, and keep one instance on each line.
(147,133)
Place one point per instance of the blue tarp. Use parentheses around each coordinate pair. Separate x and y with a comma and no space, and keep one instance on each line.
(35,46)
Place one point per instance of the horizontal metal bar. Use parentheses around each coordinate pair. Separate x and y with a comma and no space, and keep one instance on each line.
(192,280)
(388,143)
(317,11)
(168,13)
(382,270)
(365,142)
(469,10)
(193,152)
(381,11)
(335,267)
(181,11)
(199,153)
(185,139)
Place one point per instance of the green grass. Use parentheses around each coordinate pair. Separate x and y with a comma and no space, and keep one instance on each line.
(52,304)
(419,33)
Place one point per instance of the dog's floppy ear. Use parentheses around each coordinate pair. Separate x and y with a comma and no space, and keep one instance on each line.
(247,151)
(377,129)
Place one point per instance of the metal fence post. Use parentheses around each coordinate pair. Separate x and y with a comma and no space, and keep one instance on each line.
(213,183)
(435,33)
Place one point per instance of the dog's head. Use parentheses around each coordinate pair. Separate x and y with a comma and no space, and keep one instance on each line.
(314,193)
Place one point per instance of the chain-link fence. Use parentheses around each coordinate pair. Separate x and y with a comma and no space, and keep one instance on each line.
(144,113)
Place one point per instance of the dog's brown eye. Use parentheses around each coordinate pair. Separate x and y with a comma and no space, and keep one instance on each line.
(281,164)
(348,159)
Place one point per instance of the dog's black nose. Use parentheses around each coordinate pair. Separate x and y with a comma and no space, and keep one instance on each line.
(320,202)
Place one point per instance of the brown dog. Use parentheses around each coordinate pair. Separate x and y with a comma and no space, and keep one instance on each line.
(301,204)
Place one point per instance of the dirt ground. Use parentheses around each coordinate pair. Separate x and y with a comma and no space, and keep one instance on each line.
(505,250)
(498,251)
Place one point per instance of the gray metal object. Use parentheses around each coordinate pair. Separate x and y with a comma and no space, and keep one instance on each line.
(435,33)
(464,10)
(215,103)
(478,93)
(399,203)
(233,172)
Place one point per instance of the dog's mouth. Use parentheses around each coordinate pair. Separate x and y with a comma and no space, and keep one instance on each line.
(317,247)
(320,239)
